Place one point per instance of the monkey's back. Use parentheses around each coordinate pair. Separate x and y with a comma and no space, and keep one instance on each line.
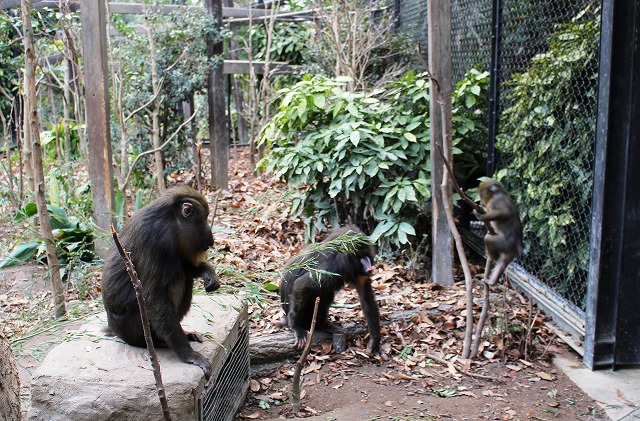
(510,226)
(146,236)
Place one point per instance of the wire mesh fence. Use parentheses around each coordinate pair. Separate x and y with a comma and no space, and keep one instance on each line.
(546,68)
(548,74)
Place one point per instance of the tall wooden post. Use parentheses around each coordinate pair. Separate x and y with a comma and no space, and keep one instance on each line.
(94,54)
(218,134)
(439,34)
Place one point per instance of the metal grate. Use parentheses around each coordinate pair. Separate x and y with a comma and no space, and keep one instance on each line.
(227,394)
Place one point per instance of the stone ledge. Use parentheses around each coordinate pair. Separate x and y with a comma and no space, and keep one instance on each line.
(96,377)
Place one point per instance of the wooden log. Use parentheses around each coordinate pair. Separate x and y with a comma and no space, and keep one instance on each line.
(279,346)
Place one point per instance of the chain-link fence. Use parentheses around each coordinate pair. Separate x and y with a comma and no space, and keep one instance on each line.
(544,104)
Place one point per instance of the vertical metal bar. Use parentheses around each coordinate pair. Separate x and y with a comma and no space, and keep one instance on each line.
(494,88)
(612,334)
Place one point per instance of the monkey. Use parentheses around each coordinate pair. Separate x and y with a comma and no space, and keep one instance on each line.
(321,271)
(506,244)
(168,241)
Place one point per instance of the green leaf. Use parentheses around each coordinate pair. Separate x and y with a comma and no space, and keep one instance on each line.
(21,253)
(29,210)
(355,137)
(271,287)
(410,137)
(407,228)
(381,229)
(319,101)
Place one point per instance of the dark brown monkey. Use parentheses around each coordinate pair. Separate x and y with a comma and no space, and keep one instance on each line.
(506,244)
(321,271)
(168,241)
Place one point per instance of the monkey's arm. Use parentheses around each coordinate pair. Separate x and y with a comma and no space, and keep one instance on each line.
(371,314)
(165,324)
(496,211)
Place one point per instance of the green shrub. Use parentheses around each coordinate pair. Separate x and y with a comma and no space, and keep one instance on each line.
(74,241)
(360,157)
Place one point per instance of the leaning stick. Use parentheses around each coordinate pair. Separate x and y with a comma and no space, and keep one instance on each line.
(153,356)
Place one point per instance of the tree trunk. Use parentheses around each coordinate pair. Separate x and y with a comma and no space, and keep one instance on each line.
(155,114)
(26,144)
(9,383)
(41,202)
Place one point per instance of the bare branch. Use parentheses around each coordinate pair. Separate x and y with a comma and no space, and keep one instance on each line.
(295,388)
(153,356)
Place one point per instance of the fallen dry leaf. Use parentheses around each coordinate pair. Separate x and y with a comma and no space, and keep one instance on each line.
(545,376)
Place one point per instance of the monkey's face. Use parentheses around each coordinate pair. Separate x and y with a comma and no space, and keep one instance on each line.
(195,233)
(487,189)
(365,258)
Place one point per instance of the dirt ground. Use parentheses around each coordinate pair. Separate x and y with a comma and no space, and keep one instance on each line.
(352,386)
(372,390)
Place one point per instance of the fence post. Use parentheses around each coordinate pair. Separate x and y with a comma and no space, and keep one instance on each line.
(494,81)
(218,134)
(96,90)
(612,334)
(439,37)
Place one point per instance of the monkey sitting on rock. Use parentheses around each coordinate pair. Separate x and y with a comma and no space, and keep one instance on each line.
(506,244)
(321,271)
(168,240)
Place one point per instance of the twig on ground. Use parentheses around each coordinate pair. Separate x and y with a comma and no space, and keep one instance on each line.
(295,387)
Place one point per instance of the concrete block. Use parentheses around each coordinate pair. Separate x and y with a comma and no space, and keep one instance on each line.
(96,377)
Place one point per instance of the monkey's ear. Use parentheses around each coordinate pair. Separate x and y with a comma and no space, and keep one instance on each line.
(187,209)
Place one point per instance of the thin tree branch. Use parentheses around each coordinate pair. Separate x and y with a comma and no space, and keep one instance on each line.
(153,356)
(159,148)
(295,387)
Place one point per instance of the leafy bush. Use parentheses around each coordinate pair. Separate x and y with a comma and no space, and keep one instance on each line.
(548,137)
(361,158)
(74,242)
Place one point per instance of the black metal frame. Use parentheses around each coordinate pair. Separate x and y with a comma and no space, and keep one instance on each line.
(612,336)
(494,87)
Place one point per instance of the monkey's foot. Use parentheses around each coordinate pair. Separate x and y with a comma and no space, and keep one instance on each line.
(489,281)
(201,362)
(194,337)
(282,323)
(301,339)
(373,347)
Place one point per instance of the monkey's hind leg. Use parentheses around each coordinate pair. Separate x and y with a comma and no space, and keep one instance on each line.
(501,265)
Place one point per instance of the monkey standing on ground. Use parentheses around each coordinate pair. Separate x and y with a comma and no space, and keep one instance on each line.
(168,240)
(506,244)
(322,273)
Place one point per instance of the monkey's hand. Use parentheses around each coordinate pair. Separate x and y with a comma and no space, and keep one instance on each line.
(211,282)
(301,339)
(479,216)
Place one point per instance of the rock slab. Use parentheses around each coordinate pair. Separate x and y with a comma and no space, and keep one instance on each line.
(92,376)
